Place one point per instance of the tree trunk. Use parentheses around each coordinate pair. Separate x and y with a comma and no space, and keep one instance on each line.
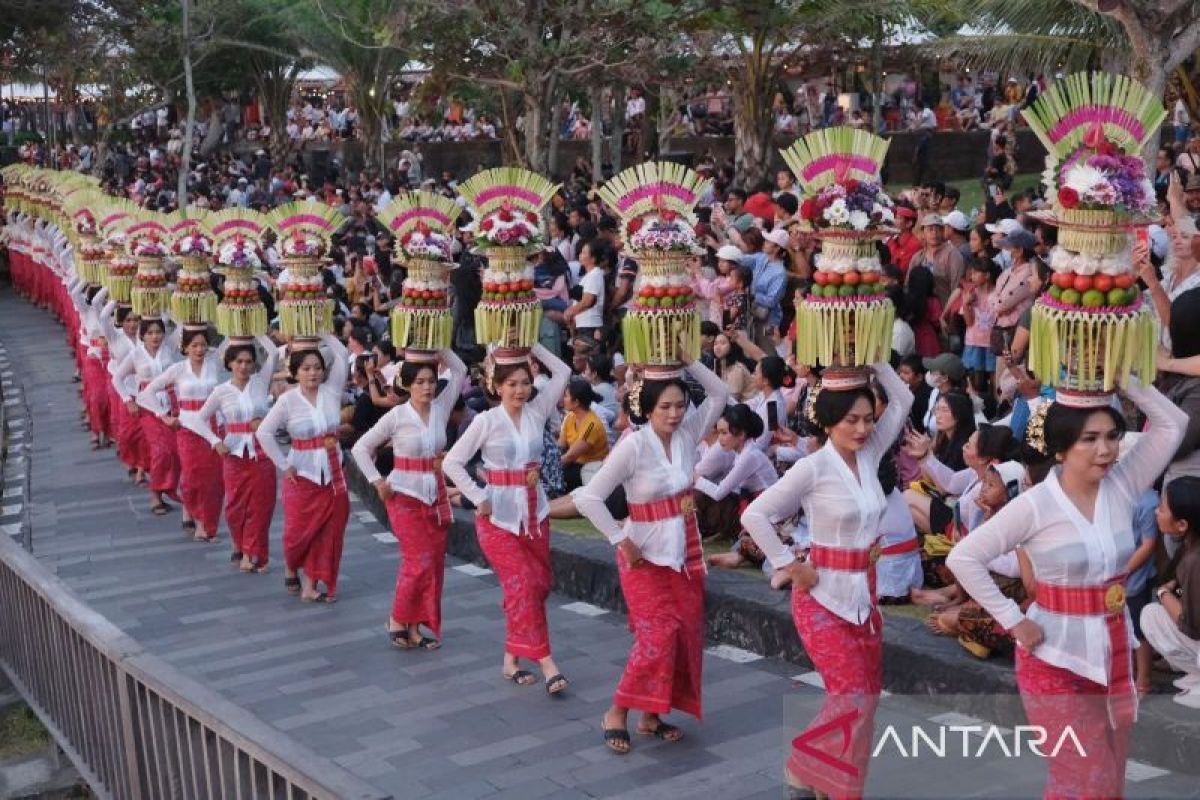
(185,162)
(215,131)
(511,152)
(618,127)
(596,97)
(554,136)
(534,131)
(275,84)
(877,77)
(751,116)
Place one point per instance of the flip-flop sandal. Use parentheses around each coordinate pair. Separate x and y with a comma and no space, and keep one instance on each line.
(556,684)
(521,677)
(292,585)
(235,557)
(160,509)
(614,735)
(257,568)
(204,539)
(320,599)
(400,639)
(142,482)
(427,643)
(665,731)
(188,525)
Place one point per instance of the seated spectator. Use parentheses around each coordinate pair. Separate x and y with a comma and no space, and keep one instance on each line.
(730,475)
(583,438)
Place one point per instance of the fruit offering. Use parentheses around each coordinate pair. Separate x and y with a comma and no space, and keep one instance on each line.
(193,302)
(304,230)
(656,202)
(506,204)
(1091,329)
(145,240)
(234,234)
(423,224)
(846,318)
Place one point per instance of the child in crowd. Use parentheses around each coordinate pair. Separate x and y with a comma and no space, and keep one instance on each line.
(1172,624)
(977,315)
(735,314)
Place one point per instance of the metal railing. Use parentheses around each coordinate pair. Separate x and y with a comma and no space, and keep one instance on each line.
(133,725)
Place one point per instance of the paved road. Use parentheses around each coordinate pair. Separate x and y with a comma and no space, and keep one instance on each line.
(416,724)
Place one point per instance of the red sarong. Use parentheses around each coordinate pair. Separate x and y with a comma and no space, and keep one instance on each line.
(1055,698)
(116,415)
(665,664)
(95,395)
(249,503)
(201,487)
(419,578)
(314,527)
(132,446)
(522,564)
(833,753)
(164,455)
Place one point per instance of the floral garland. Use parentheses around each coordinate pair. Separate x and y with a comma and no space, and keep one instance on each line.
(192,245)
(148,245)
(300,245)
(509,227)
(666,231)
(1105,179)
(239,254)
(423,242)
(85,223)
(854,205)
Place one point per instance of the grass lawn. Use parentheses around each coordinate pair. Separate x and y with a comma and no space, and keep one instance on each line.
(972,189)
(21,734)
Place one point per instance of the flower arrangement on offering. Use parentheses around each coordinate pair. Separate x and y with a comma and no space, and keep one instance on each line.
(304,230)
(846,319)
(506,203)
(423,224)
(233,235)
(1091,329)
(193,302)
(114,219)
(656,202)
(145,240)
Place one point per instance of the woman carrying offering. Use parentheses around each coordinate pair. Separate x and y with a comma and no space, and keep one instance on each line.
(415,491)
(145,362)
(512,510)
(248,475)
(120,326)
(191,380)
(833,598)
(659,554)
(315,504)
(1073,643)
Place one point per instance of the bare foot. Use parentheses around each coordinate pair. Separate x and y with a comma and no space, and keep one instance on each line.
(929,597)
(725,560)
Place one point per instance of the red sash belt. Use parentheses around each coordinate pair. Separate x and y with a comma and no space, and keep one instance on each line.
(844,559)
(682,505)
(247,428)
(433,466)
(329,445)
(527,477)
(191,405)
(1107,600)
(907,546)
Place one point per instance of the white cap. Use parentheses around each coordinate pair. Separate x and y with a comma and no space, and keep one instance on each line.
(728,252)
(957,220)
(778,237)
(1005,226)
(1013,475)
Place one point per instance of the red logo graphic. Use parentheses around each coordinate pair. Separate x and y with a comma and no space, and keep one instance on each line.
(807,742)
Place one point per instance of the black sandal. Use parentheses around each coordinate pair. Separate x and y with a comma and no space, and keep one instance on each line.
(160,509)
(521,677)
(400,638)
(320,599)
(614,735)
(427,643)
(235,556)
(292,584)
(665,731)
(556,683)
(188,525)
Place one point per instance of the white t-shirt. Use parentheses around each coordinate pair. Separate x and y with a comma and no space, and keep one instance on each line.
(593,284)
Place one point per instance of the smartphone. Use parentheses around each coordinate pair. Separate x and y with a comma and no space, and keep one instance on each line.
(772,416)
(1142,232)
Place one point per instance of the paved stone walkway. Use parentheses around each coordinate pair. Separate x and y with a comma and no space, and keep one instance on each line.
(415,724)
